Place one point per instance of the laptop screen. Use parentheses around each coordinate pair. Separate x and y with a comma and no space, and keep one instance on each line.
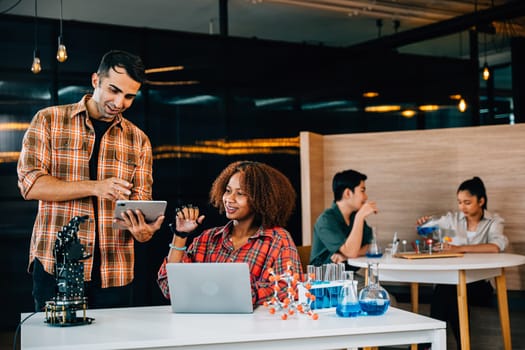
(210,287)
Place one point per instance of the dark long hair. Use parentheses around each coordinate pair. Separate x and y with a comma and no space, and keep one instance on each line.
(476,188)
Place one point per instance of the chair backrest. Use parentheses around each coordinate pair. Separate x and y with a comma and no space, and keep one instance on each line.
(304,254)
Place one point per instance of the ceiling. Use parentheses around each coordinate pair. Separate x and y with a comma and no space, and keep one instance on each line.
(341,23)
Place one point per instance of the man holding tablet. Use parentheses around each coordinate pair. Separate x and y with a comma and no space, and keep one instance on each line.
(77,160)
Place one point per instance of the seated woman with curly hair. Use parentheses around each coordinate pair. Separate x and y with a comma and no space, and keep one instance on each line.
(258,200)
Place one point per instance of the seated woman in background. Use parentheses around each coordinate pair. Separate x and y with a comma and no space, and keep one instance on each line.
(476,231)
(258,200)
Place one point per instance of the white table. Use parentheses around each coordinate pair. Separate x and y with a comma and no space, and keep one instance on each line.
(158,328)
(459,271)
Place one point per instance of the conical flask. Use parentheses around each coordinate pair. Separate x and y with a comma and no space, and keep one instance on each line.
(348,303)
(374,251)
(373,299)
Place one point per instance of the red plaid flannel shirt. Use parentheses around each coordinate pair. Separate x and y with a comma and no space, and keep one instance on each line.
(270,247)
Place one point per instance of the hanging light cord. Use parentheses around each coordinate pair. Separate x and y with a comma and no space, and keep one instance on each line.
(61,18)
(36,66)
(36,27)
(485,45)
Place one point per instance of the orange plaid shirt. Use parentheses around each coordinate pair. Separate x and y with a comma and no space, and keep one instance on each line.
(59,142)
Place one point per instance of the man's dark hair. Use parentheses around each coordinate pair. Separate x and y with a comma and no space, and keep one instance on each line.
(346,179)
(130,62)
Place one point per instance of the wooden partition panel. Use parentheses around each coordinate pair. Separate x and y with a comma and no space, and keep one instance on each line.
(415,173)
(312,191)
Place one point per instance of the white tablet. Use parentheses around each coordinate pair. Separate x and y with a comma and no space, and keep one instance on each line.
(151,209)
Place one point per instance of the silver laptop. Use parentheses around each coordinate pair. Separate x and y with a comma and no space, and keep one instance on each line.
(210,288)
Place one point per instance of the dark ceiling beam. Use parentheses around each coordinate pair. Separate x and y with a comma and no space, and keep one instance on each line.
(454,25)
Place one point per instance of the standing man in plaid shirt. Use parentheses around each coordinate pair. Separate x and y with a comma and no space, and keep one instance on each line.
(77,160)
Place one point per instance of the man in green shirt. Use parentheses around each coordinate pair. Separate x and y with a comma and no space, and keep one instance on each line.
(341,232)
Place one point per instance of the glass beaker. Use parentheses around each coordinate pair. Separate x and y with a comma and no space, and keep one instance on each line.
(429,227)
(373,299)
(374,251)
(348,302)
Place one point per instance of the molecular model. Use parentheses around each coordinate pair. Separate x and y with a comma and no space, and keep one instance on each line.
(290,304)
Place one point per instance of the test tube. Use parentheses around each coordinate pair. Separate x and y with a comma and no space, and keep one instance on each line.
(332,292)
(318,292)
(310,271)
(318,273)
(340,271)
(348,275)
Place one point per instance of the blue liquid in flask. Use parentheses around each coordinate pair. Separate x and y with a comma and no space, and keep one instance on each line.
(348,310)
(374,307)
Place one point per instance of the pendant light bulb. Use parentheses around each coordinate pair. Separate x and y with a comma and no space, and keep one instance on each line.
(36,67)
(486,71)
(61,52)
(462,106)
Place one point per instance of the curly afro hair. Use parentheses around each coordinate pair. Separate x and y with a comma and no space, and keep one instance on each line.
(270,193)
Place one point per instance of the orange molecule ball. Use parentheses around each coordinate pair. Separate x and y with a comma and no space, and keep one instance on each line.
(272,310)
(284,316)
(315,317)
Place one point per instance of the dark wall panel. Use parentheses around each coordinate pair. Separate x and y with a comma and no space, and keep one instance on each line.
(230,89)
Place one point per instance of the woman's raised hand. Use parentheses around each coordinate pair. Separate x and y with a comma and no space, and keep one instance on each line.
(187,218)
